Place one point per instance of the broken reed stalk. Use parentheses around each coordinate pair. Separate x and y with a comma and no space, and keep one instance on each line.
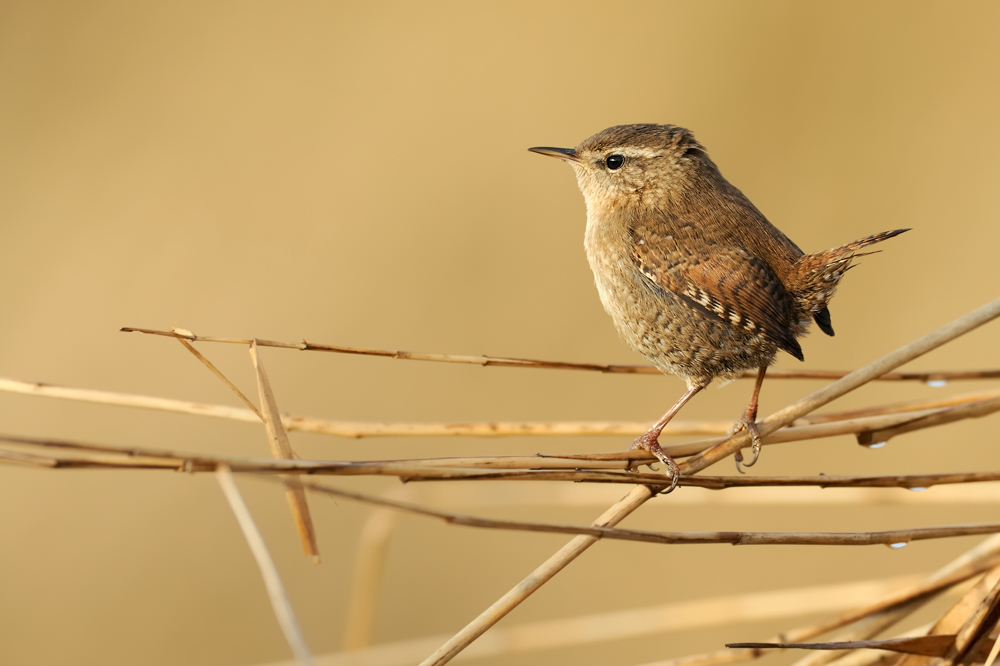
(269,572)
(864,629)
(641,494)
(499,361)
(281,448)
(925,646)
(977,628)
(963,617)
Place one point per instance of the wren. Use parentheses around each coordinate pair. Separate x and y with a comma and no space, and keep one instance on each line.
(694,277)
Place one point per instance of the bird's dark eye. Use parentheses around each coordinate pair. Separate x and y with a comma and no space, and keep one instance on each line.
(615,161)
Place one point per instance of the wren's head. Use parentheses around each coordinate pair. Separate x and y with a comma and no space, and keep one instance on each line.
(636,164)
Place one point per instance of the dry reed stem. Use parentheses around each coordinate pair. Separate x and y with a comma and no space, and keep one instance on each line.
(885,537)
(969,564)
(956,616)
(859,426)
(634,622)
(688,615)
(712,658)
(955,572)
(896,407)
(615,514)
(958,409)
(852,422)
(580,496)
(447,469)
(282,448)
(874,624)
(218,373)
(498,361)
(639,495)
(126,400)
(975,561)
(931,645)
(22,458)
(359,429)
(864,629)
(960,617)
(979,625)
(959,614)
(909,481)
(373,543)
(992,656)
(539,468)
(864,657)
(956,413)
(268,571)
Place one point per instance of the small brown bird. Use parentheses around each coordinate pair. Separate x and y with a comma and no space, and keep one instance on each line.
(694,277)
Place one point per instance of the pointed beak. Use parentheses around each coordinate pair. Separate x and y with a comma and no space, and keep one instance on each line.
(560,153)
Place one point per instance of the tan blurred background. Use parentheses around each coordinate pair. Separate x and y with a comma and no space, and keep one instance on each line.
(356,173)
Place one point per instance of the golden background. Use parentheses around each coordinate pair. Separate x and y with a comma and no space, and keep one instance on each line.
(356,173)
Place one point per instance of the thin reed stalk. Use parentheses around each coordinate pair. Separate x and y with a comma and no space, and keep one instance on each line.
(895,538)
(904,416)
(499,361)
(269,572)
(572,468)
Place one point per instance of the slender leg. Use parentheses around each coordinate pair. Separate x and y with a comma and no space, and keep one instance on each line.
(650,440)
(749,421)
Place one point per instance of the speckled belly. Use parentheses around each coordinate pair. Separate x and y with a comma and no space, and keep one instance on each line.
(676,338)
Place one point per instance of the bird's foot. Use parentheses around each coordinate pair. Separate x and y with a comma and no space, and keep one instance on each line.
(747,423)
(650,443)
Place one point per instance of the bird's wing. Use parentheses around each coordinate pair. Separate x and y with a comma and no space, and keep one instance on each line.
(727,283)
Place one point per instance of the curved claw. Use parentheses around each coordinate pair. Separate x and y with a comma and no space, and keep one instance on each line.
(755,443)
(738,459)
(653,446)
(672,470)
(675,478)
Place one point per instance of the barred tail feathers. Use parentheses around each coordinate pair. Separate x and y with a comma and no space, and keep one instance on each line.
(818,275)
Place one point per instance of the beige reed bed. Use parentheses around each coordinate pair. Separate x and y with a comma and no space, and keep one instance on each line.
(862,611)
